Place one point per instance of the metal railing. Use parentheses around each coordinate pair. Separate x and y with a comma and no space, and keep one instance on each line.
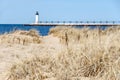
(80,22)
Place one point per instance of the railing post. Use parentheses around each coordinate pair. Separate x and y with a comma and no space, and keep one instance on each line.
(100,22)
(81,21)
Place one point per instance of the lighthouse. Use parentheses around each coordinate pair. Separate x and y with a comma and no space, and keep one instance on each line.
(36,17)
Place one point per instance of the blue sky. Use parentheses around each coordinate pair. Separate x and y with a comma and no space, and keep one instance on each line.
(23,11)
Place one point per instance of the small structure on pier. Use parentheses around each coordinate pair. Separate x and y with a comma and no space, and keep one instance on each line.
(37,18)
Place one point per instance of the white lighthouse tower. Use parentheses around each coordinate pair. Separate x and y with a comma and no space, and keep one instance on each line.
(36,17)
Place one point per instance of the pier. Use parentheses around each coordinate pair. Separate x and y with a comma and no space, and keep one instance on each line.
(71,23)
(76,23)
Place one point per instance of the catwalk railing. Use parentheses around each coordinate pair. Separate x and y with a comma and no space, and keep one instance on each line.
(75,23)
(82,22)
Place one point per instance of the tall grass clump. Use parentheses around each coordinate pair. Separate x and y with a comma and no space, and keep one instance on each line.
(21,37)
(86,55)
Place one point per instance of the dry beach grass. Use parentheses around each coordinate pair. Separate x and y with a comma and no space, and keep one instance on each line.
(66,53)
(21,37)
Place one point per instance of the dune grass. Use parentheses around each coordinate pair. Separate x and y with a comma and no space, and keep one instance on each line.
(21,37)
(86,55)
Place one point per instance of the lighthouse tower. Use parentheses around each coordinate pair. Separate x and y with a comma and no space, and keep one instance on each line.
(36,17)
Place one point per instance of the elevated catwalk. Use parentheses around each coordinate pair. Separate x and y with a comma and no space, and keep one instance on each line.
(76,23)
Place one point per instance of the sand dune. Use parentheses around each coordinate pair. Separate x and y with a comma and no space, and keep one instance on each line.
(65,54)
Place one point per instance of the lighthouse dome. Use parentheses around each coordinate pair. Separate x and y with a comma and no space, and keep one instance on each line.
(37,13)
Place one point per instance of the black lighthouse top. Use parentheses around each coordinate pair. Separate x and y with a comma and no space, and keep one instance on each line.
(37,13)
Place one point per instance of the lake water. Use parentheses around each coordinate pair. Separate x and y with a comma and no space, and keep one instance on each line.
(43,30)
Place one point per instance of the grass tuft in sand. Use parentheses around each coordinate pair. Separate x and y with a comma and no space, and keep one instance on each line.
(21,37)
